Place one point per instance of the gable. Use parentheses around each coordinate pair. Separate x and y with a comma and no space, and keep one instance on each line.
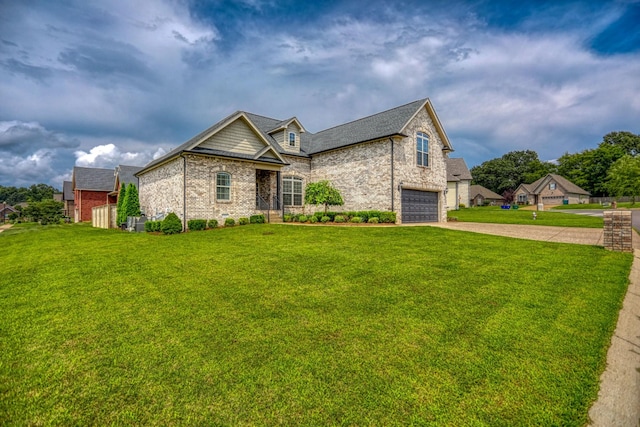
(236,137)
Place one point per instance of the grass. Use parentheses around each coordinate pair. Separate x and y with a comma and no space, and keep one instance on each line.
(625,205)
(496,215)
(272,325)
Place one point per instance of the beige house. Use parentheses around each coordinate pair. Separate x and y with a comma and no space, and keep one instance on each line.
(481,196)
(551,190)
(458,184)
(248,164)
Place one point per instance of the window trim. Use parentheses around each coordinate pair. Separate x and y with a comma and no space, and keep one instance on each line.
(219,186)
(552,186)
(292,179)
(422,155)
(294,139)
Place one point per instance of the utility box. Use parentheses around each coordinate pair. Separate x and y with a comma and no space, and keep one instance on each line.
(136,223)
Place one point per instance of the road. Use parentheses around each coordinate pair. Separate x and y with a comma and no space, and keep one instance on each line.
(635,214)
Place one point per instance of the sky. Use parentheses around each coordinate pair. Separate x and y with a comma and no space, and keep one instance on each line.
(102,83)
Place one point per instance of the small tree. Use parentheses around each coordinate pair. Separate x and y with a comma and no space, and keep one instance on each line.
(131,204)
(120,216)
(44,212)
(322,193)
(171,224)
(623,178)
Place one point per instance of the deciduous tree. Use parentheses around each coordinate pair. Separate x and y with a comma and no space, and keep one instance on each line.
(322,193)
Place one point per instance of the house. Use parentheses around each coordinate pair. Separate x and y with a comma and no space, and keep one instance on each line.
(247,164)
(458,183)
(481,196)
(5,211)
(124,175)
(91,188)
(551,189)
(68,199)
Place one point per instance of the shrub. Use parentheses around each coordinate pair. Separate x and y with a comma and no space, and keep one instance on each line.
(388,217)
(213,223)
(152,226)
(373,220)
(350,214)
(339,218)
(302,218)
(287,218)
(364,215)
(313,219)
(257,219)
(331,215)
(197,224)
(462,206)
(243,221)
(229,222)
(171,224)
(325,219)
(356,220)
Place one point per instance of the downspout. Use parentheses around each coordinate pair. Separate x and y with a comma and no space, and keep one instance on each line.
(184,192)
(392,181)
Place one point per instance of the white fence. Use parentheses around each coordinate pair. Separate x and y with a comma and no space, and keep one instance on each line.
(104,216)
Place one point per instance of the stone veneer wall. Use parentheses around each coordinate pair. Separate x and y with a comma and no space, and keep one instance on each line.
(299,167)
(411,176)
(617,231)
(161,189)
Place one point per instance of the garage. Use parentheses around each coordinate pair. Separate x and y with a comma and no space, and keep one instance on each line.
(419,206)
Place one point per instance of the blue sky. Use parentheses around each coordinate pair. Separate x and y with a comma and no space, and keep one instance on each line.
(91,83)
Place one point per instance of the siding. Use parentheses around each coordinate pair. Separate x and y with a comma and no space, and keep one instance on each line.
(237,137)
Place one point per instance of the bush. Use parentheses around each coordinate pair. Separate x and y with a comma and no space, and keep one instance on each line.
(257,219)
(373,220)
(287,218)
(388,217)
(243,221)
(356,220)
(325,219)
(171,224)
(331,215)
(152,226)
(213,223)
(350,214)
(462,206)
(302,218)
(229,222)
(339,218)
(313,219)
(197,224)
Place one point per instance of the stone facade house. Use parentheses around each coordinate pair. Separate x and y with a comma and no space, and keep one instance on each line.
(5,211)
(247,164)
(551,190)
(458,183)
(481,196)
(91,188)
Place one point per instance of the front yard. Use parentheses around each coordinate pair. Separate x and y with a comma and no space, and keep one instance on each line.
(273,324)
(496,215)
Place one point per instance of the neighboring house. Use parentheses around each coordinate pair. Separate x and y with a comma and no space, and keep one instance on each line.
(247,164)
(551,189)
(68,199)
(91,187)
(458,182)
(124,175)
(5,211)
(481,196)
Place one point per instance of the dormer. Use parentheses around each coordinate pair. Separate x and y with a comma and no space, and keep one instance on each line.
(287,134)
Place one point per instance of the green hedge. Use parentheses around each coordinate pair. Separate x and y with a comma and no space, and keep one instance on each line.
(365,216)
(152,226)
(257,219)
(229,222)
(213,223)
(243,221)
(196,224)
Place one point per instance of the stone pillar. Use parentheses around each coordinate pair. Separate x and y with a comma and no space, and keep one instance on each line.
(618,231)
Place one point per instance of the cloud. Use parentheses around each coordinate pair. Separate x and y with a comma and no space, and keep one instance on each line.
(18,137)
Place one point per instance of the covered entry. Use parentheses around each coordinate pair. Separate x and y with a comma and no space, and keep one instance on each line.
(419,206)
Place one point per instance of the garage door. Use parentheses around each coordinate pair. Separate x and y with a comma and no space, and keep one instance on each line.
(419,206)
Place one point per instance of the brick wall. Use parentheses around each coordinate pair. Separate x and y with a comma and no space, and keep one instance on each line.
(617,231)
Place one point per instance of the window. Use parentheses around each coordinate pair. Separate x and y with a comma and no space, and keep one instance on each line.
(223,186)
(552,186)
(292,139)
(422,149)
(292,191)
(522,198)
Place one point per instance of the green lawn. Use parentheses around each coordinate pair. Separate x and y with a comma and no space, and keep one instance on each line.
(626,205)
(276,324)
(494,214)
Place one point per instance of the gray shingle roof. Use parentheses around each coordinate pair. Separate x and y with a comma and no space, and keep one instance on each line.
(569,186)
(126,175)
(93,179)
(67,190)
(457,170)
(476,190)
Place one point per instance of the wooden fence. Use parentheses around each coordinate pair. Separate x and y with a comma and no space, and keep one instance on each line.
(104,216)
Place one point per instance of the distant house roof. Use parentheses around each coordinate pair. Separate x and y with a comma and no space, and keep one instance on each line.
(375,127)
(67,190)
(479,190)
(125,175)
(457,170)
(94,179)
(537,186)
(4,207)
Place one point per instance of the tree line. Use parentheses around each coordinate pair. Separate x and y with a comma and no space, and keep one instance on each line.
(610,170)
(35,193)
